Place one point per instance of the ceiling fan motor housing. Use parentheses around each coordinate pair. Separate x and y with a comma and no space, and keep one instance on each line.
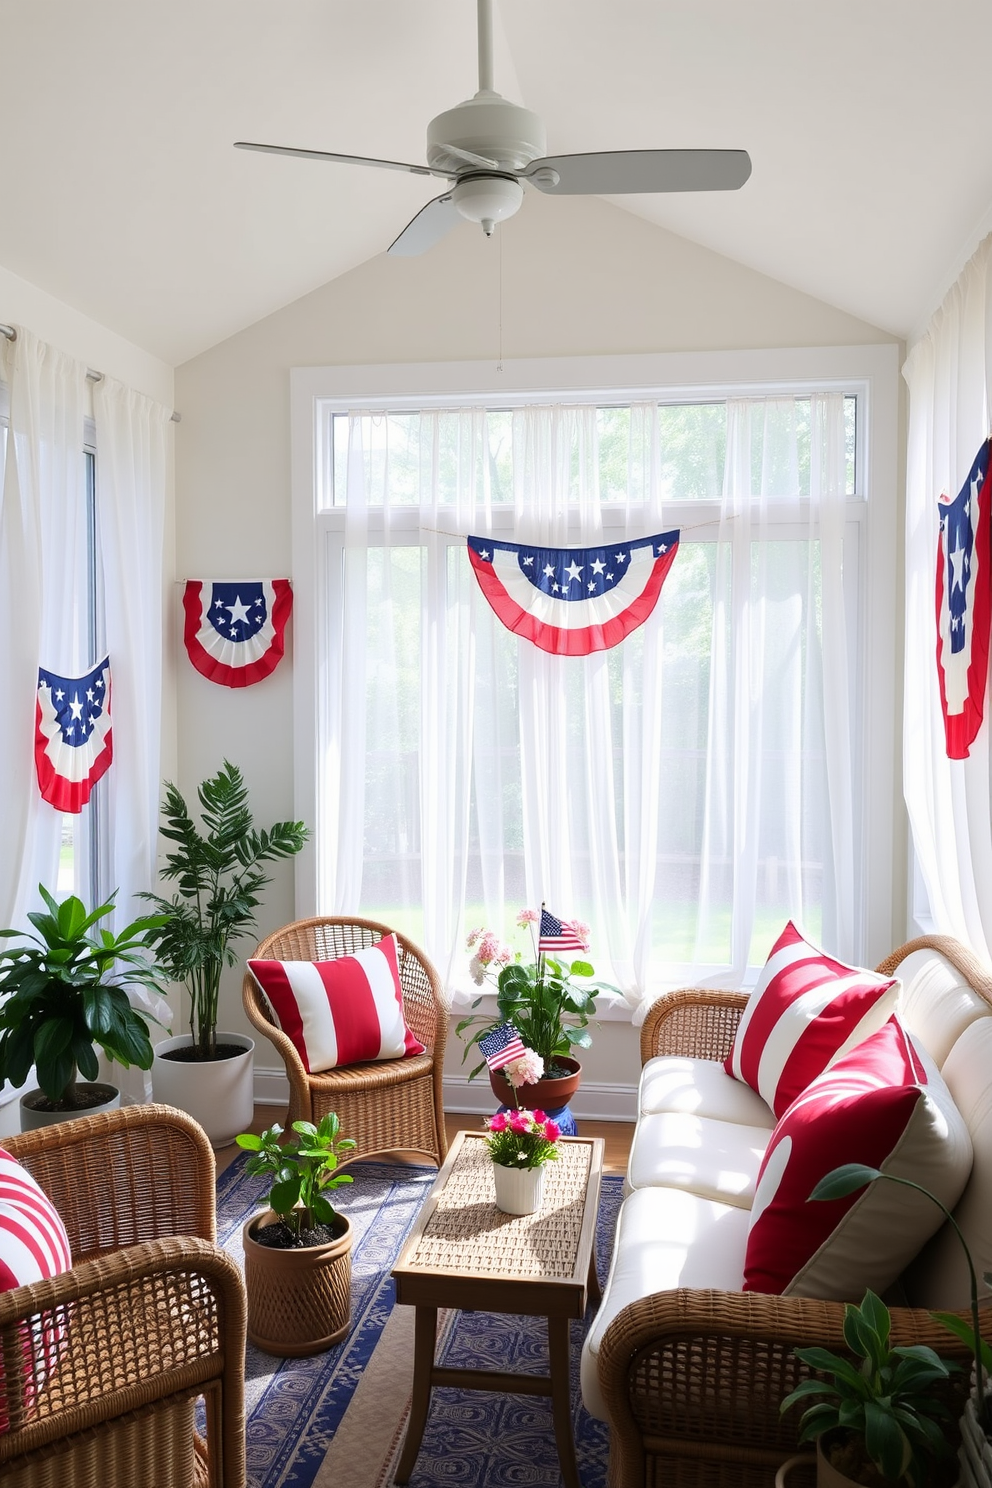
(485,125)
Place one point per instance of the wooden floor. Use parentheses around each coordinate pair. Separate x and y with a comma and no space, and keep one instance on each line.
(616,1134)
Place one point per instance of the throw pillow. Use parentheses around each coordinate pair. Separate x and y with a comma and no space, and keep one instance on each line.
(33,1247)
(343,1011)
(806,1011)
(884,1105)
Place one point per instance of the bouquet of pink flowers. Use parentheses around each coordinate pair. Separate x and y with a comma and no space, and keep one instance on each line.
(522,1139)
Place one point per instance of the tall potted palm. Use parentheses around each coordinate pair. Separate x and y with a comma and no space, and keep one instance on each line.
(218,869)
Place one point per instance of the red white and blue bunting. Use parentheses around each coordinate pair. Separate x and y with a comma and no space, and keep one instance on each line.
(963,596)
(571,601)
(74,742)
(235,631)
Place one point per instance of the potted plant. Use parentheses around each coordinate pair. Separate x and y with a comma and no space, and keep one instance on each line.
(298,1253)
(877,1421)
(976,1422)
(544,1003)
(64,995)
(219,875)
(520,1144)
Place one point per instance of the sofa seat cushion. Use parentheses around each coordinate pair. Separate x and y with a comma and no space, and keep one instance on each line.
(883,1105)
(666,1238)
(712,1159)
(699,1087)
(806,1011)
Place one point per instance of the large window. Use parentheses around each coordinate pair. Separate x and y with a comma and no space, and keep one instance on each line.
(684,792)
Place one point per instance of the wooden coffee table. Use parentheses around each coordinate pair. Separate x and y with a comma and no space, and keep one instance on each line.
(463,1252)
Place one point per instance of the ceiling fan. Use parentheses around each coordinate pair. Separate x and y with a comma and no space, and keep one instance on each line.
(487,147)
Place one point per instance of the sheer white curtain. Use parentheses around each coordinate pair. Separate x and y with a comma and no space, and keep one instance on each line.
(43,596)
(133,439)
(778,793)
(684,792)
(948,374)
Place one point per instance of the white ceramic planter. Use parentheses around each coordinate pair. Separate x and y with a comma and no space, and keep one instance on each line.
(32,1119)
(219,1094)
(518,1190)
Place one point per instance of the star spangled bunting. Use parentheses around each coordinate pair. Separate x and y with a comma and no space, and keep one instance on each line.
(73,742)
(571,601)
(558,935)
(235,632)
(501,1046)
(964,605)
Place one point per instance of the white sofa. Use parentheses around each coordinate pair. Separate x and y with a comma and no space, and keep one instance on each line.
(687,1368)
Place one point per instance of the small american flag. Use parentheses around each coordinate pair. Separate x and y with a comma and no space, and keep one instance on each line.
(558,935)
(501,1046)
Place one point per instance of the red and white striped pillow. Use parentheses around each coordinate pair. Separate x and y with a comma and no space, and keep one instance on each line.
(805,1013)
(883,1105)
(343,1011)
(33,1247)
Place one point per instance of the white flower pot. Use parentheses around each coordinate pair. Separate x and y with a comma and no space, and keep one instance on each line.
(32,1118)
(518,1190)
(218,1093)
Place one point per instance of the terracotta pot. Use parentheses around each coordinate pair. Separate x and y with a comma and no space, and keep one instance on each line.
(546,1095)
(518,1190)
(299,1301)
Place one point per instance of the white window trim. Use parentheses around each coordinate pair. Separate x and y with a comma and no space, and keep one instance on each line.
(872,371)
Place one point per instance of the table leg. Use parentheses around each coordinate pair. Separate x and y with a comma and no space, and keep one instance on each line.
(424,1341)
(595,1290)
(561,1399)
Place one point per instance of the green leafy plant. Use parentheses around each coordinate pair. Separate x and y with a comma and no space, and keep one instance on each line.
(852,1176)
(219,883)
(65,994)
(548,1008)
(885,1402)
(303,1170)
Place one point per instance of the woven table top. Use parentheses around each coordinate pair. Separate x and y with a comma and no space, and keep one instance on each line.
(467,1233)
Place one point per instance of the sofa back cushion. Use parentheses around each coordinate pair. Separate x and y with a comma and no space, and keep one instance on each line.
(806,1011)
(939,1277)
(936,1003)
(884,1105)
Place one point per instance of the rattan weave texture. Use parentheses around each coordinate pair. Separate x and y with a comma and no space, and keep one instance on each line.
(392,1105)
(467,1233)
(151,1317)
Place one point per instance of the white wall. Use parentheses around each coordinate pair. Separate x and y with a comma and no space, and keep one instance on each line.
(578,278)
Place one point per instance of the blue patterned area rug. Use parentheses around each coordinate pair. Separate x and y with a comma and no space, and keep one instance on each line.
(337,1420)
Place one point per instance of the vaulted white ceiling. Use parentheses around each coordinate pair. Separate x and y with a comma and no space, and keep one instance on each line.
(867,122)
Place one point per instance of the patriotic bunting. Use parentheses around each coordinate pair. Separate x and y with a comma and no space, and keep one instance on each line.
(73,743)
(235,631)
(571,601)
(964,605)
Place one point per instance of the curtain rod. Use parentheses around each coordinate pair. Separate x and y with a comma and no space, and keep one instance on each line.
(91,376)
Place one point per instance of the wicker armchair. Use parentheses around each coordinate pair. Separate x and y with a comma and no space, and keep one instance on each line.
(152,1315)
(389,1105)
(693,1379)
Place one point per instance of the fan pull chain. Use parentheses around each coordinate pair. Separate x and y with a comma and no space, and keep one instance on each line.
(499,362)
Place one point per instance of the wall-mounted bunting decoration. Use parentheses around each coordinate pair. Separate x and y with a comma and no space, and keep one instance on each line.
(571,601)
(235,632)
(73,741)
(964,604)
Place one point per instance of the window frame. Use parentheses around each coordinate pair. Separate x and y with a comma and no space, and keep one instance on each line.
(870,373)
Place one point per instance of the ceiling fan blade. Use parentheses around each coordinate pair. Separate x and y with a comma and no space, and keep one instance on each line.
(611,172)
(398,165)
(427,228)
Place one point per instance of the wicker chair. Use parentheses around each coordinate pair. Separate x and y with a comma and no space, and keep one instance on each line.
(693,1379)
(152,1315)
(389,1105)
